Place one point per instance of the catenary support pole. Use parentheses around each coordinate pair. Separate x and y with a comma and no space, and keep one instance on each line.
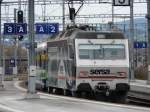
(1,53)
(15,68)
(112,13)
(32,66)
(63,13)
(19,7)
(131,42)
(148,57)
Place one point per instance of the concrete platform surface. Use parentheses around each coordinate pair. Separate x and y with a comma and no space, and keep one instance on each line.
(12,100)
(140,86)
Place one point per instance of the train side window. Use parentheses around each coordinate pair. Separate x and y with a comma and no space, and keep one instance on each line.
(84,54)
(98,53)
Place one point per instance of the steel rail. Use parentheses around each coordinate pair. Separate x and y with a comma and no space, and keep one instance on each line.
(139,98)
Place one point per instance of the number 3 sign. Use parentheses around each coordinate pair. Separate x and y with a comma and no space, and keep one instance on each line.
(121,2)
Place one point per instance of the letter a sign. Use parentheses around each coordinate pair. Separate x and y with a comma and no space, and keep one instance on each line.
(21,28)
(41,28)
(121,2)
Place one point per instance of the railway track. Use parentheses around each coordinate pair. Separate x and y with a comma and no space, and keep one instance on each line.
(133,98)
(137,98)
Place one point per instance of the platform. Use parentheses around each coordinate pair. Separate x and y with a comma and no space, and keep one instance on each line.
(140,86)
(12,100)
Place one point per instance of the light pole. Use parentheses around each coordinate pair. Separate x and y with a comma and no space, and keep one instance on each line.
(1,53)
(32,65)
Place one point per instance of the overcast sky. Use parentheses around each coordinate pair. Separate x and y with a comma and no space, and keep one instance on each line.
(87,9)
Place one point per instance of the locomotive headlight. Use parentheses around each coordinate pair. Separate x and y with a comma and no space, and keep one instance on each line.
(122,74)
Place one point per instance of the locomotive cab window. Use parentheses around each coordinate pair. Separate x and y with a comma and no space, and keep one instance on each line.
(114,51)
(99,51)
(90,51)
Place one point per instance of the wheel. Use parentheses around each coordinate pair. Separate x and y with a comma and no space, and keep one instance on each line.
(78,94)
(58,91)
(67,92)
(45,89)
(121,97)
(100,97)
(73,94)
(50,90)
(85,94)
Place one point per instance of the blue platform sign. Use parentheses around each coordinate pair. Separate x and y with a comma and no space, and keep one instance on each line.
(53,28)
(47,28)
(12,62)
(9,28)
(15,28)
(21,28)
(41,28)
(140,44)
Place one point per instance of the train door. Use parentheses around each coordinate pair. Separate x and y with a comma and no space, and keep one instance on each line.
(65,73)
(62,73)
(71,68)
(53,66)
